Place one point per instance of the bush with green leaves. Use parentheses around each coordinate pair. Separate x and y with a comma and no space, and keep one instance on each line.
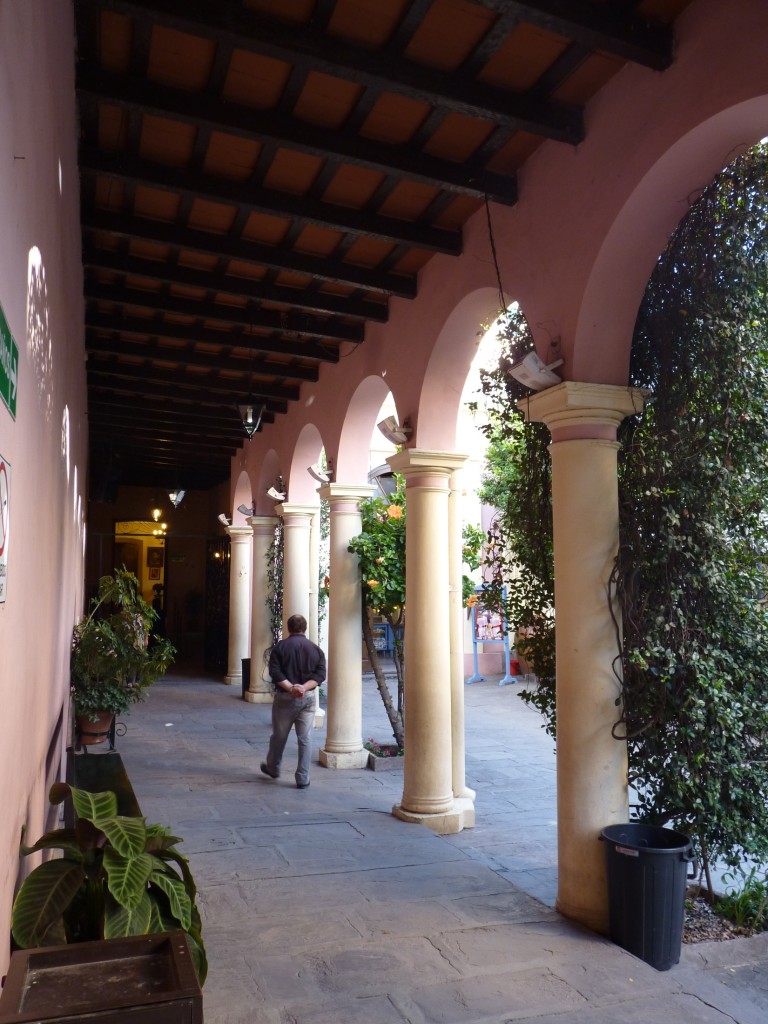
(114,656)
(116,876)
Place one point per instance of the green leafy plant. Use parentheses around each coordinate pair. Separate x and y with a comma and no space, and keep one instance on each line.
(745,902)
(116,876)
(383,749)
(114,657)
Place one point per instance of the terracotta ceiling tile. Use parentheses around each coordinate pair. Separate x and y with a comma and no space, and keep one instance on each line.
(458,137)
(291,280)
(352,186)
(523,58)
(143,284)
(408,200)
(394,118)
(197,260)
(185,292)
(115,41)
(234,301)
(149,250)
(448,33)
(113,126)
(209,216)
(255,81)
(180,60)
(290,10)
(457,213)
(249,271)
(231,157)
(291,171)
(109,194)
(367,22)
(318,240)
(166,141)
(263,227)
(327,100)
(412,262)
(368,252)
(156,203)
(587,79)
(336,288)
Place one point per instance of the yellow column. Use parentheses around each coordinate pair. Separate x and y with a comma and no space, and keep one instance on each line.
(344,736)
(591,764)
(457,612)
(297,523)
(260,690)
(428,770)
(239,602)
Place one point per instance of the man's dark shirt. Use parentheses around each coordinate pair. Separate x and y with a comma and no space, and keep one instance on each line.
(298,659)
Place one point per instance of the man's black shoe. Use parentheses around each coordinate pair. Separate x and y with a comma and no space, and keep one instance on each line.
(272,775)
(302,785)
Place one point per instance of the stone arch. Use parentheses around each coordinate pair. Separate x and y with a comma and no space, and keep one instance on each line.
(448,367)
(302,488)
(639,233)
(359,422)
(242,496)
(266,476)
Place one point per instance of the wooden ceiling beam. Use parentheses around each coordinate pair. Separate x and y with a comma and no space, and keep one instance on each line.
(122,323)
(219,415)
(313,327)
(309,49)
(144,374)
(468,177)
(193,184)
(118,345)
(258,254)
(241,287)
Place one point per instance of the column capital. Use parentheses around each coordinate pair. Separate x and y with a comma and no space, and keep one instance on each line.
(239,532)
(346,492)
(294,508)
(420,461)
(262,524)
(574,410)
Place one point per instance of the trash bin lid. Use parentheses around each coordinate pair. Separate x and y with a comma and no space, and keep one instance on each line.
(637,836)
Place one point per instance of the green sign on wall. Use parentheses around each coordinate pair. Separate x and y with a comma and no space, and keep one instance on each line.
(9,365)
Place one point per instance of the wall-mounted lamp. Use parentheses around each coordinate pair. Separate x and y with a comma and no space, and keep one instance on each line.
(223,520)
(393,431)
(250,415)
(156,513)
(176,497)
(275,495)
(532,373)
(323,476)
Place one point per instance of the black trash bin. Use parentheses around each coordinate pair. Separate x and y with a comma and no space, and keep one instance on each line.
(245,668)
(647,869)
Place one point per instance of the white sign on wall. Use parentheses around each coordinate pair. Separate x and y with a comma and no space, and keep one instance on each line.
(5,516)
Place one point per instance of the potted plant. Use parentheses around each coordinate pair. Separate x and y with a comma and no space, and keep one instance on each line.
(117,876)
(114,657)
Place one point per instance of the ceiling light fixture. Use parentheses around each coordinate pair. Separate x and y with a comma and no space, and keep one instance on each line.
(176,497)
(250,415)
(393,431)
(532,373)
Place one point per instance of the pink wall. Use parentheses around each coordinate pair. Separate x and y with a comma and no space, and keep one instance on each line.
(41,295)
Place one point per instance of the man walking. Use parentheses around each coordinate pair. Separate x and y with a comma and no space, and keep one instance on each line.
(296,667)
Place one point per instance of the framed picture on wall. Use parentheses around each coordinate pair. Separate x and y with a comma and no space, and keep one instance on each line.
(154,573)
(155,558)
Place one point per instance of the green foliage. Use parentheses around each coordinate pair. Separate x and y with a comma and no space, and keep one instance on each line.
(693,500)
(517,483)
(114,657)
(745,902)
(275,560)
(472,541)
(116,876)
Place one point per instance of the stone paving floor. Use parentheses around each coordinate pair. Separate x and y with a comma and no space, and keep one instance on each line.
(319,907)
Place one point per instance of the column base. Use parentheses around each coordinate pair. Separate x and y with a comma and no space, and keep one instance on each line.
(466,794)
(257,697)
(352,759)
(234,680)
(447,823)
(594,918)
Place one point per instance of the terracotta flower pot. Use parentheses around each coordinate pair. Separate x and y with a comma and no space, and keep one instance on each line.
(89,733)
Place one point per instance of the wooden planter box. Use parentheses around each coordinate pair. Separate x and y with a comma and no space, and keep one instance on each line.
(146,979)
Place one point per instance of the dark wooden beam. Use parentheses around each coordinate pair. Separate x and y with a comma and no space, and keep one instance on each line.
(119,345)
(311,50)
(273,256)
(193,184)
(243,316)
(145,374)
(122,323)
(241,287)
(275,129)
